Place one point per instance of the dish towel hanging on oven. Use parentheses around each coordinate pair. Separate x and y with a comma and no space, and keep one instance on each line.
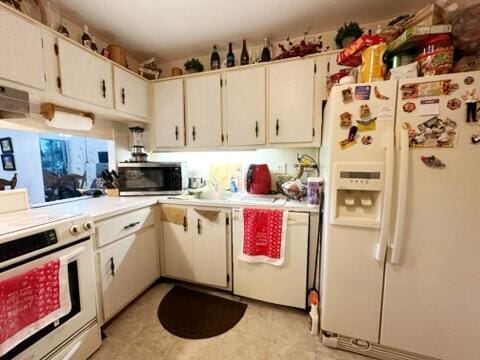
(264,234)
(31,300)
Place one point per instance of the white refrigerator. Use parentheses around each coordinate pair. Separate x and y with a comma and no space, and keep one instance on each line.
(400,269)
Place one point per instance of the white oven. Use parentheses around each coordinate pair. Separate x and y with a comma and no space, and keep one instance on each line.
(75,335)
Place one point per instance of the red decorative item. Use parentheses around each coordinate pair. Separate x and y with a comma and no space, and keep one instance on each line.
(258,179)
(352,54)
(262,232)
(27,298)
(302,49)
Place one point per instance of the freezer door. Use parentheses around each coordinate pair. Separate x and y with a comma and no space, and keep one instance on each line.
(432,279)
(352,255)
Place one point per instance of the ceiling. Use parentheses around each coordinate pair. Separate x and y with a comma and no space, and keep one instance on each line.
(176,29)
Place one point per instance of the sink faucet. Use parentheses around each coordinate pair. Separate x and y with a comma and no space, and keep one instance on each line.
(214,184)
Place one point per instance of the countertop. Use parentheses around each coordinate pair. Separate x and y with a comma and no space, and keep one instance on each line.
(104,207)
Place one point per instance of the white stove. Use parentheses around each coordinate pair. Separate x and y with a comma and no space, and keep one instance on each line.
(30,239)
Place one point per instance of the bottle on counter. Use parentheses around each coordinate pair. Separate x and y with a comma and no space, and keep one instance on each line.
(215,59)
(244,60)
(266,52)
(86,38)
(62,29)
(93,45)
(230,56)
(233,185)
(313,315)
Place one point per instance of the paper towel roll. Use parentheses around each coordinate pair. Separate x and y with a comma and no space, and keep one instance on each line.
(65,120)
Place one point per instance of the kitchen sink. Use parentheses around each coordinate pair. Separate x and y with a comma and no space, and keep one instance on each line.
(214,195)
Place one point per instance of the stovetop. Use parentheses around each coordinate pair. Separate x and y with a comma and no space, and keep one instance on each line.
(21,220)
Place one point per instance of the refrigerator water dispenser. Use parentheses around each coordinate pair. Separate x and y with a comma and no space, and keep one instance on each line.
(357,194)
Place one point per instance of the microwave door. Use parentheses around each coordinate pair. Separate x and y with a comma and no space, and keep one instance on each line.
(149,180)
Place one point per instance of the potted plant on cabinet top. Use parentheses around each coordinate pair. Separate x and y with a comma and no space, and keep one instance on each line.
(193,65)
(347,33)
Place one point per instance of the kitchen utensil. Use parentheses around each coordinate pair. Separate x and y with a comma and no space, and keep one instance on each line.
(258,179)
(137,150)
(196,182)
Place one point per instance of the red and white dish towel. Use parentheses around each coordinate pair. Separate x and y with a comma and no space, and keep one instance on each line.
(31,300)
(264,234)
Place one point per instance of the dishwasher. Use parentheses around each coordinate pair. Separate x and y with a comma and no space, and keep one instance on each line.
(283,285)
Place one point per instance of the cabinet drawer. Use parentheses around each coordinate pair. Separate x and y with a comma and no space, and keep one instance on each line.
(123,225)
(126,269)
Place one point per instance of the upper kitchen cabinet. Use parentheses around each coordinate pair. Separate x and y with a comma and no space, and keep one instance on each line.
(84,75)
(203,111)
(291,101)
(131,92)
(244,102)
(21,58)
(168,114)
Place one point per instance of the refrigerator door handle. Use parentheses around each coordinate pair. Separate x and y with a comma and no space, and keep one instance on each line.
(402,196)
(381,247)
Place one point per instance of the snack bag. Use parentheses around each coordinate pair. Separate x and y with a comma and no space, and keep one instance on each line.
(373,68)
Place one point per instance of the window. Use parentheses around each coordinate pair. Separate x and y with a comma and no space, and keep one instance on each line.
(54,166)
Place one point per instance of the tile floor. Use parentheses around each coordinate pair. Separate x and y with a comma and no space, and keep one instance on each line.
(265,332)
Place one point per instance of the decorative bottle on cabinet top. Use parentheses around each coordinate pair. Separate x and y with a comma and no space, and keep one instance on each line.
(244,60)
(266,52)
(230,56)
(215,59)
(86,39)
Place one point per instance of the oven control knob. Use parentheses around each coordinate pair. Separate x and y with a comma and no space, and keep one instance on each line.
(74,230)
(88,226)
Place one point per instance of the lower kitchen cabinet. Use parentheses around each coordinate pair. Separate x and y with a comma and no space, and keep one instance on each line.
(126,268)
(198,250)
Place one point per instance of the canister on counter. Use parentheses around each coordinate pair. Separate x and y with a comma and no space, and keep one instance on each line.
(314,189)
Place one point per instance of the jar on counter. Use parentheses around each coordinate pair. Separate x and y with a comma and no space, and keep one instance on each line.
(435,55)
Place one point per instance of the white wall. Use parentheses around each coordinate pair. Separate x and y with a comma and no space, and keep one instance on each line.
(26,149)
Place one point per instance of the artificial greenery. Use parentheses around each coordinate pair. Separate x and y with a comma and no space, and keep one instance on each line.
(348,30)
(193,65)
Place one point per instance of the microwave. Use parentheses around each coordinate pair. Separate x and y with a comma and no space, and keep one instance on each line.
(152,178)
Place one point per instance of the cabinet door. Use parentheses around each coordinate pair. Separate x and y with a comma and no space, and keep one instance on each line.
(283,285)
(127,267)
(178,248)
(168,114)
(245,106)
(21,58)
(85,76)
(130,93)
(291,95)
(203,111)
(209,249)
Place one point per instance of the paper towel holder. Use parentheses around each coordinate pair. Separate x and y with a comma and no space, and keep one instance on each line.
(48,111)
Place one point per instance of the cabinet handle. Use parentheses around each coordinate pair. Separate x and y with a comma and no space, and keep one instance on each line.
(126,227)
(277,127)
(185,224)
(199,227)
(194,133)
(123,96)
(256,129)
(112,267)
(104,89)
(176,132)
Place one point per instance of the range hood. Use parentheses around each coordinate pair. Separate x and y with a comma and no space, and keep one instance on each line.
(13,103)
